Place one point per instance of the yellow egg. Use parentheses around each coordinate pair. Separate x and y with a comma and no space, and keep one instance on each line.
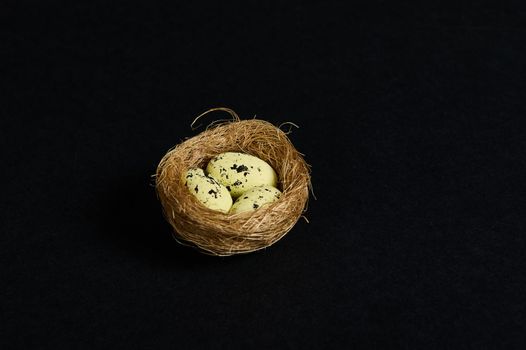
(255,198)
(207,190)
(240,172)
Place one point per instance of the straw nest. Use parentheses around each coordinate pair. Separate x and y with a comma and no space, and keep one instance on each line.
(217,233)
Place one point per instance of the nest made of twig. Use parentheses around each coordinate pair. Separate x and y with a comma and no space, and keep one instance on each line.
(217,233)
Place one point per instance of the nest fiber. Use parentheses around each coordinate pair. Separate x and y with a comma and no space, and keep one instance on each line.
(217,233)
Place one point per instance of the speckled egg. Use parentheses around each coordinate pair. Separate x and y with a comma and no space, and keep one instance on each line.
(240,172)
(207,190)
(255,198)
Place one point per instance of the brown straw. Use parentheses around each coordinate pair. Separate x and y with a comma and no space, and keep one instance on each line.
(216,233)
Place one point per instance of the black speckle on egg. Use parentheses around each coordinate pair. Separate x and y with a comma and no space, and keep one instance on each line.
(212,192)
(196,188)
(260,197)
(255,206)
(237,183)
(228,188)
(241,168)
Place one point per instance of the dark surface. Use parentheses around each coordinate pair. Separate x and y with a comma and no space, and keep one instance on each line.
(412,119)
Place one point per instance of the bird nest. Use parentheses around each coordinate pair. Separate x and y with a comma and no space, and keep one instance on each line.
(217,233)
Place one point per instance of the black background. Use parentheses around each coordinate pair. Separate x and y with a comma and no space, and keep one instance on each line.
(411,117)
